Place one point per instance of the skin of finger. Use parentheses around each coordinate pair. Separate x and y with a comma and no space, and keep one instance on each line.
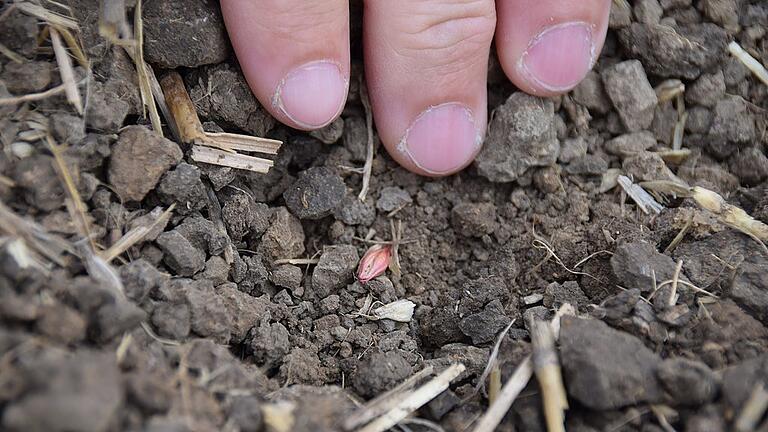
(420,54)
(273,37)
(519,21)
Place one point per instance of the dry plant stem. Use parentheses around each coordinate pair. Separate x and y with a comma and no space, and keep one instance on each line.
(385,401)
(141,69)
(4,50)
(182,109)
(517,381)
(66,72)
(416,399)
(677,137)
(296,261)
(78,210)
(494,384)
(233,160)
(753,409)
(74,46)
(489,367)
(547,369)
(33,96)
(680,235)
(370,150)
(675,278)
(134,236)
(643,199)
(214,212)
(44,14)
(47,245)
(245,142)
(750,62)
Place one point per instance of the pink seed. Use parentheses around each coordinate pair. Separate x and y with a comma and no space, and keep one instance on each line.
(374,262)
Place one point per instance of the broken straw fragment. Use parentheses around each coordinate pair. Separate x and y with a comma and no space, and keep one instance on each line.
(643,199)
(374,263)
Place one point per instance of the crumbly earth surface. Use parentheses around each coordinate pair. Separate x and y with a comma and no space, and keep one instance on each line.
(216,329)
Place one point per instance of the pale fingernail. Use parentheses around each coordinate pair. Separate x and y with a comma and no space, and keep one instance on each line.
(312,95)
(559,57)
(442,139)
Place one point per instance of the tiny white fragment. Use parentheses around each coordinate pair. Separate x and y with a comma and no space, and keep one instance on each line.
(750,62)
(643,199)
(398,310)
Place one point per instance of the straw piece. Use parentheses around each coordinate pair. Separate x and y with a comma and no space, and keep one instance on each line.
(66,72)
(643,199)
(233,160)
(245,142)
(44,14)
(182,109)
(548,372)
(750,62)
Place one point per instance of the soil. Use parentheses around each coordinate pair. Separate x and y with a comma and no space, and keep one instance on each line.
(217,329)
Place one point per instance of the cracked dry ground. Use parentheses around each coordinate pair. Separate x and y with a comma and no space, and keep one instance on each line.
(203,340)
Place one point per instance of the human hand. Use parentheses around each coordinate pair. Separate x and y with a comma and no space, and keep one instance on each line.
(426,63)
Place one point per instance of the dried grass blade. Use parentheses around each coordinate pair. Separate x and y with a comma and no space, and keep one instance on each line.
(15,100)
(78,209)
(44,14)
(74,46)
(4,50)
(246,143)
(233,160)
(141,69)
(66,72)
(369,146)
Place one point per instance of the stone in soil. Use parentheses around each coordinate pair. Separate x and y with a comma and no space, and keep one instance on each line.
(556,294)
(688,382)
(648,11)
(27,77)
(83,392)
(245,311)
(588,164)
(591,94)
(269,344)
(180,254)
(352,211)
(440,326)
(607,369)
(139,159)
(379,372)
(634,264)
(18,31)
(67,128)
(106,110)
(474,219)
(37,178)
(483,327)
(631,93)
(316,194)
(732,122)
(750,165)
(222,95)
(187,33)
(244,412)
(707,90)
(392,198)
(216,270)
(631,143)
(209,315)
(203,234)
(243,216)
(334,270)
(285,236)
(172,320)
(522,135)
(573,148)
(684,51)
(60,323)
(286,276)
(139,278)
(739,380)
(302,366)
(183,186)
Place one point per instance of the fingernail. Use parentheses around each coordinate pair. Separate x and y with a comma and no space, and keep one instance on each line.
(442,139)
(559,57)
(312,95)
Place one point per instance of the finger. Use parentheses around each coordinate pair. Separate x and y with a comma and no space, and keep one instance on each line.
(294,54)
(426,66)
(546,47)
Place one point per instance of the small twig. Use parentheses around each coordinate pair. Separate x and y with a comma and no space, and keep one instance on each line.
(14,100)
(753,410)
(370,150)
(141,69)
(680,235)
(517,381)
(416,399)
(385,401)
(675,278)
(547,369)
